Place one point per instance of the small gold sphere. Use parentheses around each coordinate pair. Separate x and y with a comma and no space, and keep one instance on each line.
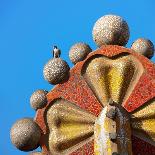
(79,52)
(144,47)
(38,99)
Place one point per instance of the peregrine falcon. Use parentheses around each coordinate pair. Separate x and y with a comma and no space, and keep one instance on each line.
(56,52)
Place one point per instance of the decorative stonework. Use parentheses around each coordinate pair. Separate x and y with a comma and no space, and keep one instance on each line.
(111,30)
(144,47)
(78,52)
(38,99)
(25,134)
(56,71)
(104,105)
(78,91)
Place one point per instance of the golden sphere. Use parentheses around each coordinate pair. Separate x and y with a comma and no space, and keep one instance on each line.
(144,47)
(111,30)
(38,99)
(25,134)
(79,52)
(56,71)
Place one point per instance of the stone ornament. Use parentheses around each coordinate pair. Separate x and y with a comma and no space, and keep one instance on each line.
(78,52)
(56,70)
(144,47)
(25,134)
(111,77)
(38,99)
(106,106)
(111,30)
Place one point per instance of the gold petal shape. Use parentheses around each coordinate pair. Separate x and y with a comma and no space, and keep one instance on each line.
(69,126)
(143,122)
(112,78)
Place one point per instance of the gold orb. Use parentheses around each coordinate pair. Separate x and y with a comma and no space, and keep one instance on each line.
(78,52)
(111,30)
(144,47)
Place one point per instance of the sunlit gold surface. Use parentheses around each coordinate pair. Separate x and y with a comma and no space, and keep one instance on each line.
(112,78)
(143,121)
(68,126)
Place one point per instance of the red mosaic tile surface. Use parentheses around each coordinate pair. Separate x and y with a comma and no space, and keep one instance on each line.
(87,149)
(140,147)
(146,82)
(77,91)
(143,92)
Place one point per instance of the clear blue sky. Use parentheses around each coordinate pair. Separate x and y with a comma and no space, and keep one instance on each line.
(28,29)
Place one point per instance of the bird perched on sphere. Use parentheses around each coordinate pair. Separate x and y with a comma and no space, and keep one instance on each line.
(56,52)
(56,70)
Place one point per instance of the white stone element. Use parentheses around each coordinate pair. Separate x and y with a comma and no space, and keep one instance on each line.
(102,128)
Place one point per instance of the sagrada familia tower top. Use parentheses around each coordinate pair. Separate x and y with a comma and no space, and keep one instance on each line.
(104,105)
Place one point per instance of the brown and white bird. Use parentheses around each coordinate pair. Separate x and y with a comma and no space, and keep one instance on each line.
(56,52)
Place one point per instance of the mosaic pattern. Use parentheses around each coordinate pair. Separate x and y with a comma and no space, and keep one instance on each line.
(141,147)
(110,78)
(78,52)
(143,122)
(56,71)
(144,47)
(38,99)
(87,149)
(25,134)
(68,125)
(106,126)
(84,90)
(111,30)
(143,92)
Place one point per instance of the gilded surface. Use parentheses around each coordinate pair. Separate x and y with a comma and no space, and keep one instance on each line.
(143,121)
(111,78)
(68,126)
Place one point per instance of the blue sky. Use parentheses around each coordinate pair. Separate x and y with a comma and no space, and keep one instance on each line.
(28,30)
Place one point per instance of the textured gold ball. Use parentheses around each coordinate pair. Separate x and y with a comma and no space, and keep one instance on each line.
(79,52)
(111,30)
(56,71)
(25,134)
(144,47)
(38,99)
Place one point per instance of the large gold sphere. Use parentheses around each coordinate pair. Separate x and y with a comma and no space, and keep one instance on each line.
(111,30)
(25,134)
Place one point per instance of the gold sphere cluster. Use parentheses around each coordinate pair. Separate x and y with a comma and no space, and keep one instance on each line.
(108,30)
